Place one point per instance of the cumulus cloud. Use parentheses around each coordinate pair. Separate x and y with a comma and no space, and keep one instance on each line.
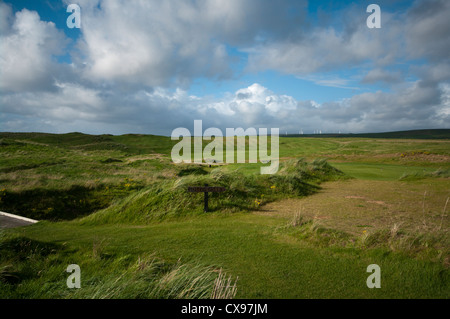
(329,48)
(256,106)
(28,46)
(155,42)
(147,44)
(419,33)
(135,61)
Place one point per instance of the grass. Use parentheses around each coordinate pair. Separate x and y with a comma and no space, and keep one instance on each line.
(411,134)
(420,244)
(170,198)
(354,206)
(35,269)
(269,263)
(382,171)
(445,173)
(118,207)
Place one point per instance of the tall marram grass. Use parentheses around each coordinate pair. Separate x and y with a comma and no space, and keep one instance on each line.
(170,198)
(34,269)
(439,173)
(433,245)
(153,279)
(224,288)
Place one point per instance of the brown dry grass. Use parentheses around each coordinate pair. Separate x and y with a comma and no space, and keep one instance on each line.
(357,205)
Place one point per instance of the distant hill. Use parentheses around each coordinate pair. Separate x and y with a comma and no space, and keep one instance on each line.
(127,143)
(145,143)
(413,134)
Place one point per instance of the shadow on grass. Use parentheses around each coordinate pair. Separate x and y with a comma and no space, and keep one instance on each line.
(55,205)
(18,256)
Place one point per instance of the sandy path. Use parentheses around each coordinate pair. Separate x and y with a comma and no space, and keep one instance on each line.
(358,205)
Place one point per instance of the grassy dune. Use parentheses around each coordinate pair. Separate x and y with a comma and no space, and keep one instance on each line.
(118,207)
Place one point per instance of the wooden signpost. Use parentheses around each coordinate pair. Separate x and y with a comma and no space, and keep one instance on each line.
(206,189)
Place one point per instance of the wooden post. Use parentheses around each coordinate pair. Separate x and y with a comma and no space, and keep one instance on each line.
(205,190)
(205,209)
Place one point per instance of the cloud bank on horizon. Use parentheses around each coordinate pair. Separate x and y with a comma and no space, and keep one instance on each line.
(152,66)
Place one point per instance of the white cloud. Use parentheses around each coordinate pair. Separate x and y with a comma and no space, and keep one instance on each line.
(146,43)
(152,43)
(70,102)
(136,61)
(27,51)
(162,110)
(445,109)
(326,49)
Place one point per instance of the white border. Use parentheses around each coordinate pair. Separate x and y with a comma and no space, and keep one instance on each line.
(19,217)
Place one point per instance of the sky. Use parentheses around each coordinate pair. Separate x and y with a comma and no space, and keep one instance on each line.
(150,67)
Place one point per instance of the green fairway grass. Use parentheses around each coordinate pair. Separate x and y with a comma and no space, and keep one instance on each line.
(385,172)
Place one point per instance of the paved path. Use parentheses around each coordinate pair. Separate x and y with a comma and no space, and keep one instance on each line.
(11,221)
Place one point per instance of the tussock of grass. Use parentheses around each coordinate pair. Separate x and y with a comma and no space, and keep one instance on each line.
(433,245)
(439,173)
(192,170)
(156,280)
(6,269)
(312,232)
(429,245)
(319,170)
(7,274)
(298,220)
(224,288)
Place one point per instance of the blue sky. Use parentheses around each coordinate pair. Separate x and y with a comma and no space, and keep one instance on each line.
(149,67)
